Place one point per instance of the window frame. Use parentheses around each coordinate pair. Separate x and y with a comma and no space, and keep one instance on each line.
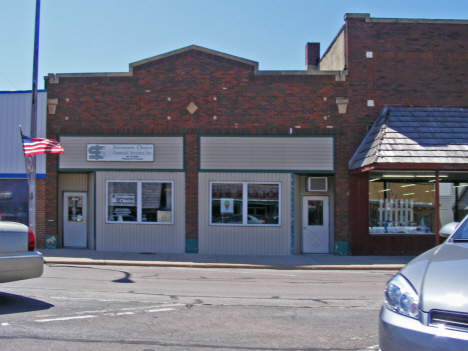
(245,202)
(139,201)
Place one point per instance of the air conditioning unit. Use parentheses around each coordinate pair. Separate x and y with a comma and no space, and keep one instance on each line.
(317,184)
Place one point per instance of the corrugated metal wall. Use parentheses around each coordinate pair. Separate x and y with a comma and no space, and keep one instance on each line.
(15,110)
(168,152)
(267,153)
(164,238)
(269,240)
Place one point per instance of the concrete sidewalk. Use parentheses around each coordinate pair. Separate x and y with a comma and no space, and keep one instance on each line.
(305,262)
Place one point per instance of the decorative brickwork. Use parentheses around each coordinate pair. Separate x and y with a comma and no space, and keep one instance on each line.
(388,62)
(231,97)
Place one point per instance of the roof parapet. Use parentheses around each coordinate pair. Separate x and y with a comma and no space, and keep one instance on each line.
(367,18)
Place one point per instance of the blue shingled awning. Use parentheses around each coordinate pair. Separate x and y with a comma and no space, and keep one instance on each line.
(415,135)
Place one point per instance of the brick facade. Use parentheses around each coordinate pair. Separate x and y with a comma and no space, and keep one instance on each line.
(232,99)
(409,63)
(414,63)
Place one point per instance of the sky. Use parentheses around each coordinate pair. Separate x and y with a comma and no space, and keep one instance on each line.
(84,36)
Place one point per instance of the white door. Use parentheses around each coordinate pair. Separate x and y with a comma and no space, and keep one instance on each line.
(315,223)
(74,219)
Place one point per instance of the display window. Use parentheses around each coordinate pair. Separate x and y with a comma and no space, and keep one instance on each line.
(14,200)
(405,203)
(245,203)
(146,202)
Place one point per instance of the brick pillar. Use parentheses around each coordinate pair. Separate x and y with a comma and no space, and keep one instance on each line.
(40,213)
(191,193)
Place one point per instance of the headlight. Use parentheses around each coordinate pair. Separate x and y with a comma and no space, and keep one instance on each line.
(401,298)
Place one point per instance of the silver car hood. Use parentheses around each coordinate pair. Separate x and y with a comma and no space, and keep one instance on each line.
(440,277)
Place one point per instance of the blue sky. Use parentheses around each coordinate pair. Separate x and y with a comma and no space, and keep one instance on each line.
(78,36)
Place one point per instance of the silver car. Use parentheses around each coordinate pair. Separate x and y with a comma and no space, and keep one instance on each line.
(426,303)
(18,258)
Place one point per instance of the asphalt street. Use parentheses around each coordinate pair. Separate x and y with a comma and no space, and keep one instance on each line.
(116,307)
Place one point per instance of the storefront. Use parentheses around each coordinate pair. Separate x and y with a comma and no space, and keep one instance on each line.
(122,193)
(415,179)
(15,110)
(256,195)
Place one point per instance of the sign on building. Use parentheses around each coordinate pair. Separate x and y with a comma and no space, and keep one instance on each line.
(120,152)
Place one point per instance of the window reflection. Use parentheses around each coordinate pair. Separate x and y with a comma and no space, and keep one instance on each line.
(245,203)
(401,207)
(405,203)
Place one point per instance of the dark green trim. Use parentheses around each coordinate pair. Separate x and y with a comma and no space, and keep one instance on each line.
(191,245)
(94,210)
(122,135)
(334,153)
(265,171)
(341,248)
(293,185)
(269,135)
(183,153)
(88,170)
(199,153)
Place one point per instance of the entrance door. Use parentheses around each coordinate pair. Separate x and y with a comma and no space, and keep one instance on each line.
(315,223)
(74,219)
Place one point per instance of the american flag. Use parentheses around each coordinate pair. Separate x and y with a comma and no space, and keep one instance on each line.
(37,146)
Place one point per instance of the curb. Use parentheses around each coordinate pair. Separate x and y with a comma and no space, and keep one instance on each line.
(393,267)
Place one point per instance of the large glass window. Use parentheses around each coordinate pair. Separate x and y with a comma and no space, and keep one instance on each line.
(139,201)
(242,203)
(14,200)
(405,203)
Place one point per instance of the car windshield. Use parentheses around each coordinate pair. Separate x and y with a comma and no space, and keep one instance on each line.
(461,233)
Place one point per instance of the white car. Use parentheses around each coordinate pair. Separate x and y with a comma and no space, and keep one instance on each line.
(390,228)
(426,305)
(18,258)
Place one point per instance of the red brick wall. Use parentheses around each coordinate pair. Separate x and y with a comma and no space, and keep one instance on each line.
(244,103)
(413,64)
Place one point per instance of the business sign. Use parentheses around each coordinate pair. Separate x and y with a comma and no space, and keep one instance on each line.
(120,152)
(122,199)
(227,205)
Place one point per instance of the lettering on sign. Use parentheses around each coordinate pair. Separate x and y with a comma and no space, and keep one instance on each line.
(123,199)
(120,152)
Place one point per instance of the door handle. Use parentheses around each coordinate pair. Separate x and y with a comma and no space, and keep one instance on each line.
(305,227)
(84,222)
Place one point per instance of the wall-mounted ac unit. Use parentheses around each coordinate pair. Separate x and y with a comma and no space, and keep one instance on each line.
(317,184)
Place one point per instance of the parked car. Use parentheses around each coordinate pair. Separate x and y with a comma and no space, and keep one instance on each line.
(237,219)
(122,218)
(390,227)
(426,303)
(8,218)
(18,258)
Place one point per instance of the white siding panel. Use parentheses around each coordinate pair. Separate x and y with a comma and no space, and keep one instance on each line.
(168,152)
(15,110)
(245,240)
(163,238)
(267,153)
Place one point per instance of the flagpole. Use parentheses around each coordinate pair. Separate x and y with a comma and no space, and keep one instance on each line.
(32,174)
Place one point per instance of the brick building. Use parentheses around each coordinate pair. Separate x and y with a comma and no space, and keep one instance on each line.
(200,151)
